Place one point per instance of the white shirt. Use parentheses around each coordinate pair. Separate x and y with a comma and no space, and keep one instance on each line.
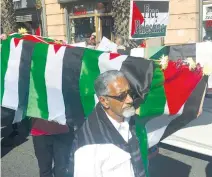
(105,160)
(122,128)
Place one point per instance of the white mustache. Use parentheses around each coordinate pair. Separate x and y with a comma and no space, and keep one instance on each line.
(129,107)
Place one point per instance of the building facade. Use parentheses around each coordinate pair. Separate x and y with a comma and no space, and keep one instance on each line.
(28,16)
(77,20)
(189,20)
(184,20)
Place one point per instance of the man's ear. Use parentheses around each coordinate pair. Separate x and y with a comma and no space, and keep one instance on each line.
(104,101)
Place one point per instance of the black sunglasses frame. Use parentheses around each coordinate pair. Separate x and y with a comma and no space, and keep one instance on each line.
(122,97)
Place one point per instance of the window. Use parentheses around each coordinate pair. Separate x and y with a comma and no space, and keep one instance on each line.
(84,17)
(82,28)
(107,26)
(207,22)
(82,9)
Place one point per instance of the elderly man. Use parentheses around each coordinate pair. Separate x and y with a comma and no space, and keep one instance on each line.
(106,144)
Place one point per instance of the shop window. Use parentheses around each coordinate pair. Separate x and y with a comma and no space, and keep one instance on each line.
(107,26)
(104,7)
(89,8)
(82,9)
(207,31)
(82,20)
(207,22)
(82,28)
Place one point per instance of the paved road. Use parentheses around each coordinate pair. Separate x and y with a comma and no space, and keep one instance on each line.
(21,162)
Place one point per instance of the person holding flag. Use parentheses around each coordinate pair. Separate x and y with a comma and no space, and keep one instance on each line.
(106,145)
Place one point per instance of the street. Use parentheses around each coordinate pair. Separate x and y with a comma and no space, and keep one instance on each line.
(21,162)
(147,62)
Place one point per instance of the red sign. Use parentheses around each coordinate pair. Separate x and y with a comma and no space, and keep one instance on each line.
(208,23)
(80,11)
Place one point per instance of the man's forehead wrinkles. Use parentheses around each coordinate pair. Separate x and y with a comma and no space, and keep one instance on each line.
(118,86)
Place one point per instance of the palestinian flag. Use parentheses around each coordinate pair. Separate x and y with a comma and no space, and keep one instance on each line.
(201,54)
(37,74)
(55,82)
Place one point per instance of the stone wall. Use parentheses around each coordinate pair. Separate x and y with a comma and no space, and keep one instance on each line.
(183,22)
(55,20)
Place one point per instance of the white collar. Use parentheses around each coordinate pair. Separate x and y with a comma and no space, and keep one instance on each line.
(116,124)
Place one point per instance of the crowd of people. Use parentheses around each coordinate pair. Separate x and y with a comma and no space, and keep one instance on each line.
(92,43)
(104,146)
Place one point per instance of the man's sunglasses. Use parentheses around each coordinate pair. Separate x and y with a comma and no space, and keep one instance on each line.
(122,96)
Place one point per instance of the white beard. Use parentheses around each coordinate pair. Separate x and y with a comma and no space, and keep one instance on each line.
(128,112)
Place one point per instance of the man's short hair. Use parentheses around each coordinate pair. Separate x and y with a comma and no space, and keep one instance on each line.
(121,39)
(101,83)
